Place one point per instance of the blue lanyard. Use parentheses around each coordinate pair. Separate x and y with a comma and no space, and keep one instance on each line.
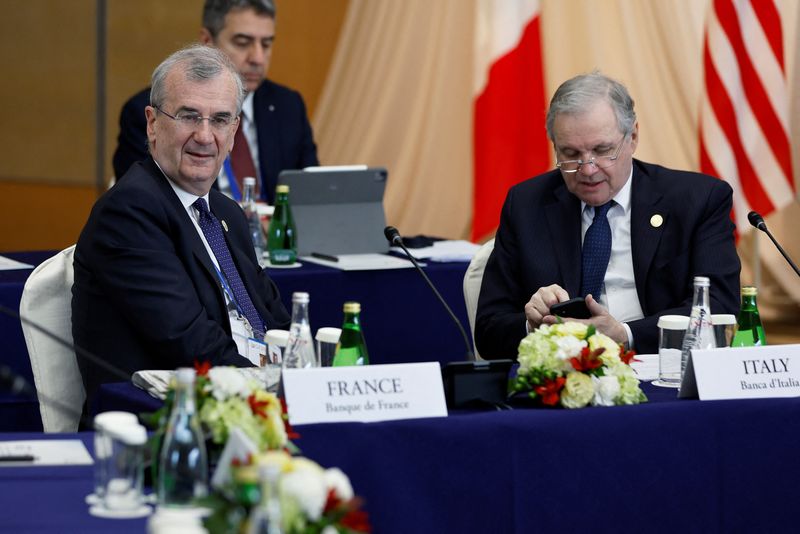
(228,291)
(235,193)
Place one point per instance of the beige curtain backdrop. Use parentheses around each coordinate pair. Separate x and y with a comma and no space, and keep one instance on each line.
(398,95)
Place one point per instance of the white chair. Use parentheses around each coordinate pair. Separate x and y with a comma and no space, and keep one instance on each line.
(472,285)
(47,300)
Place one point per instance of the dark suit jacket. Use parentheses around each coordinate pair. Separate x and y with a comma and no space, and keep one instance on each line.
(285,139)
(538,243)
(146,294)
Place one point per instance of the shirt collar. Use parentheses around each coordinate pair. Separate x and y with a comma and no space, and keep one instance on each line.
(186,198)
(247,107)
(622,198)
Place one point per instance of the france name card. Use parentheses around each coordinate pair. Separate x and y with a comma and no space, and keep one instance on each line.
(744,373)
(364,393)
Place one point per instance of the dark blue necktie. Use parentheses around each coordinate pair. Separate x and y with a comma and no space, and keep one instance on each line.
(212,229)
(596,252)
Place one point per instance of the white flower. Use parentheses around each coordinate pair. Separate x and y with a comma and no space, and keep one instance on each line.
(606,389)
(307,487)
(570,328)
(568,347)
(578,390)
(228,382)
(336,480)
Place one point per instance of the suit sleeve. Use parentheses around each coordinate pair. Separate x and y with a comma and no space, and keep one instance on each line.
(132,140)
(712,253)
(136,264)
(500,318)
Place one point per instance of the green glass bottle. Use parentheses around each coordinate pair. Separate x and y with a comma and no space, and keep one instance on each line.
(281,242)
(750,332)
(352,349)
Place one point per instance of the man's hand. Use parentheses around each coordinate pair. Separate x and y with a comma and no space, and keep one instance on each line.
(537,310)
(604,322)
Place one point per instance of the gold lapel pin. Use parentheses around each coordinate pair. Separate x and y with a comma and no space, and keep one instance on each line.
(225,225)
(656,220)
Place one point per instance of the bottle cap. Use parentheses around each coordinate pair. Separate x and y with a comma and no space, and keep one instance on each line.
(352,307)
(749,291)
(185,375)
(673,322)
(300,297)
(722,318)
(328,334)
(283,188)
(249,180)
(702,281)
(276,337)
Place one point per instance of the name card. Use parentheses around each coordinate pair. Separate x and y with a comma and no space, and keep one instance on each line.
(747,373)
(364,393)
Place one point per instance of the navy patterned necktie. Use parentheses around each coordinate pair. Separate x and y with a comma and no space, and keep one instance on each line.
(596,252)
(212,229)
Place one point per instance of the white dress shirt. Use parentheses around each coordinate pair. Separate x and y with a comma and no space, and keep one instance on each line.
(618,294)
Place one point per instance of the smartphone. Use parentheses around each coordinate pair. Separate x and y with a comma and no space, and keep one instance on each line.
(572,308)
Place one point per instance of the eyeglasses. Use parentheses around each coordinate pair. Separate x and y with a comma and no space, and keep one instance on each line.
(191,119)
(601,160)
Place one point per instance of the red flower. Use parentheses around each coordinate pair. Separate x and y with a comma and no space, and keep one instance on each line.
(356,520)
(549,390)
(290,433)
(258,407)
(588,360)
(201,368)
(627,356)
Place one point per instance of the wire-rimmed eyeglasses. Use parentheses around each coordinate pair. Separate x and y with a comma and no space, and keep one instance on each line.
(192,119)
(601,160)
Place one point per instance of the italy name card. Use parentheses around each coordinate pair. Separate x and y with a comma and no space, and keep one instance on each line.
(743,373)
(364,394)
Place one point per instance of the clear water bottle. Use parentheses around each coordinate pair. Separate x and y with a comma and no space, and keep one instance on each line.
(300,352)
(183,467)
(282,240)
(253,219)
(352,349)
(700,332)
(750,331)
(266,517)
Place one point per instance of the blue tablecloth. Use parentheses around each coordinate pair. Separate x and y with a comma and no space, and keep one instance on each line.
(402,320)
(666,466)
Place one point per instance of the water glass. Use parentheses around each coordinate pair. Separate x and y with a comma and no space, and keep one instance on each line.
(103,448)
(671,328)
(125,468)
(724,328)
(327,339)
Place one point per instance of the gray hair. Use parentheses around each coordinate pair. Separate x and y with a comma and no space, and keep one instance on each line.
(214,12)
(577,94)
(199,63)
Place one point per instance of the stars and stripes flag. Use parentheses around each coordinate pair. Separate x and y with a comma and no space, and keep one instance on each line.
(509,139)
(744,119)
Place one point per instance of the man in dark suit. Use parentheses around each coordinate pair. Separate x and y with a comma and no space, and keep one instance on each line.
(161,282)
(662,227)
(275,127)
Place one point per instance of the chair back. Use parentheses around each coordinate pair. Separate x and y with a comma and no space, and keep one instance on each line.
(47,300)
(472,285)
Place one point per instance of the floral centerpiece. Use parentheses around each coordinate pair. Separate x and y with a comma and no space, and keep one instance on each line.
(573,365)
(226,398)
(313,500)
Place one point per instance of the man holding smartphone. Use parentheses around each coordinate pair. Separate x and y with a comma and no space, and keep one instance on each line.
(626,237)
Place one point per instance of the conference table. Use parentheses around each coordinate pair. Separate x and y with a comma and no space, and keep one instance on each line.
(401,318)
(665,466)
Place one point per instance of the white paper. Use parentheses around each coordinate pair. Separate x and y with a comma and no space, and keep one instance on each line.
(7,264)
(363,262)
(447,250)
(646,368)
(47,452)
(364,393)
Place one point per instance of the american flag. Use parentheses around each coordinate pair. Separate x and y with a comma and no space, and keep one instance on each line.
(744,118)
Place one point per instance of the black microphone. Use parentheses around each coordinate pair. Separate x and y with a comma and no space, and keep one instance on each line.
(758,221)
(393,236)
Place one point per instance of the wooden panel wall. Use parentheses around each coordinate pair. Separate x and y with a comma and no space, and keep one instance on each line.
(47,144)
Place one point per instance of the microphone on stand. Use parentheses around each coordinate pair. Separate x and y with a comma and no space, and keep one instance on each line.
(394,238)
(758,222)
